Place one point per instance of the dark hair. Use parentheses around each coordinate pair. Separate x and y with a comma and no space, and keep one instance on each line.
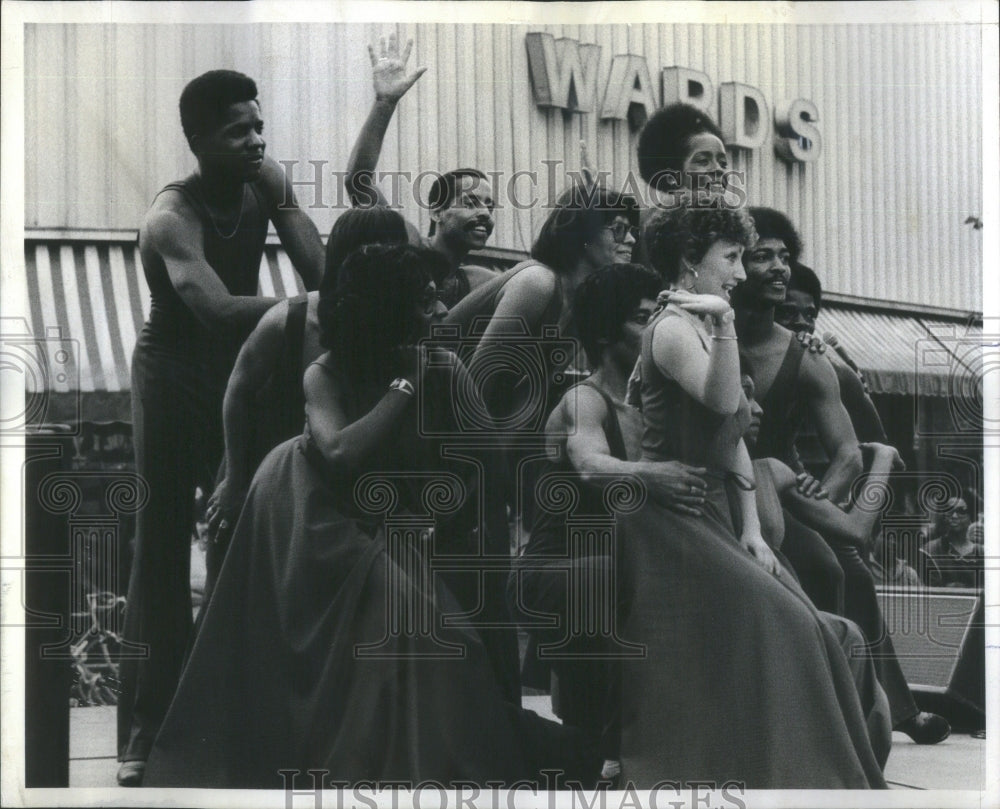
(663,142)
(580,213)
(373,310)
(772,224)
(805,280)
(355,228)
(605,299)
(206,98)
(444,188)
(687,233)
(746,367)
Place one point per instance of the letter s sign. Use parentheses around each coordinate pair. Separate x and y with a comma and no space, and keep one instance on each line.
(798,140)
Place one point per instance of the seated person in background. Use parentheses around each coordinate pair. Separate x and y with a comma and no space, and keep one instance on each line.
(593,439)
(460,201)
(798,313)
(889,566)
(953,558)
(792,383)
(264,402)
(778,486)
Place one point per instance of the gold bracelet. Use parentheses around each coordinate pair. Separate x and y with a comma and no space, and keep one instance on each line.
(724,337)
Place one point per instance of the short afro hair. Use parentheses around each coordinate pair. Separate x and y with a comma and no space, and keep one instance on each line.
(444,188)
(687,233)
(805,280)
(772,224)
(206,98)
(663,142)
(605,299)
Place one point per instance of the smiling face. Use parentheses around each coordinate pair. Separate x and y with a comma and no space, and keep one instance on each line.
(235,148)
(612,244)
(704,167)
(767,272)
(798,312)
(467,222)
(720,269)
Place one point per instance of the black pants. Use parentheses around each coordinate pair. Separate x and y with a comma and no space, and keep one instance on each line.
(177,432)
(837,580)
(588,690)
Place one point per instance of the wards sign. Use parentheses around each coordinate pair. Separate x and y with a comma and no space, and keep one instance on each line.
(564,76)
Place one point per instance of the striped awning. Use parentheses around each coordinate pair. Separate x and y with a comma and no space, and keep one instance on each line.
(92,296)
(907,354)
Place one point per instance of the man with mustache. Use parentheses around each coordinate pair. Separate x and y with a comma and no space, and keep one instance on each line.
(460,201)
(201,245)
(792,383)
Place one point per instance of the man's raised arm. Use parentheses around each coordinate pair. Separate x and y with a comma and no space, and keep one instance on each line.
(391,83)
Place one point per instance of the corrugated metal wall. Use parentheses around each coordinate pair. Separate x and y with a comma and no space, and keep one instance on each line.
(881,211)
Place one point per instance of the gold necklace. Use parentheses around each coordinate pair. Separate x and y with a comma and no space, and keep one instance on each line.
(239,220)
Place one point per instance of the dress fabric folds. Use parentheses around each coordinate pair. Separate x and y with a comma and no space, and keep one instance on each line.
(742,681)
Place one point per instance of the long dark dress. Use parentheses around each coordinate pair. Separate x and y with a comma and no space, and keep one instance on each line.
(324,646)
(741,681)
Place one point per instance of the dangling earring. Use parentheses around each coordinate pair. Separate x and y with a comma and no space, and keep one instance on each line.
(694,274)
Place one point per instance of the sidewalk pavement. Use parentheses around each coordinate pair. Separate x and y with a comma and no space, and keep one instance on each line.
(957,763)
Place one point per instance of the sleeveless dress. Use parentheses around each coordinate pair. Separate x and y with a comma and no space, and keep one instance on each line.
(180,368)
(741,680)
(329,645)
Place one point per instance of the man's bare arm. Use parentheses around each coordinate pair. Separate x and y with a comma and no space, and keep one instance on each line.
(177,237)
(671,483)
(255,364)
(297,231)
(833,425)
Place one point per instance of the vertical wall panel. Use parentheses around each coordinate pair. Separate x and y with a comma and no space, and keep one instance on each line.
(881,212)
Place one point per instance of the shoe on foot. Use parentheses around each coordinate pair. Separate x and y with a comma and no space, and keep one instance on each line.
(926,728)
(130,773)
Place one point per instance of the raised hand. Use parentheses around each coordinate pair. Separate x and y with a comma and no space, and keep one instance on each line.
(711,305)
(389,76)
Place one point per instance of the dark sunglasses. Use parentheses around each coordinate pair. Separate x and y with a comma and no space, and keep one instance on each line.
(619,230)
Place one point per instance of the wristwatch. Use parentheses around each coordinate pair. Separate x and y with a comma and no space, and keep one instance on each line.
(402,385)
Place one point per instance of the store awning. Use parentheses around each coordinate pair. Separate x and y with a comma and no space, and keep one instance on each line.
(909,354)
(94,295)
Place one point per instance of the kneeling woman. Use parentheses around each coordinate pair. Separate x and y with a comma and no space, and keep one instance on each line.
(324,646)
(742,681)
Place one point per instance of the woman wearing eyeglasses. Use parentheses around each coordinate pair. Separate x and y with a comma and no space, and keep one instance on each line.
(589,228)
(953,558)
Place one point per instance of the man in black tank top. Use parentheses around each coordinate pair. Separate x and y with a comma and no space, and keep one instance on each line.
(460,201)
(791,382)
(594,441)
(201,245)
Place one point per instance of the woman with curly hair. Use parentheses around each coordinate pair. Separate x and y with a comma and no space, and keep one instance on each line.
(741,680)
(304,661)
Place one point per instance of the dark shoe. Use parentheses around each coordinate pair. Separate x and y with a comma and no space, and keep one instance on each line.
(926,728)
(130,773)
